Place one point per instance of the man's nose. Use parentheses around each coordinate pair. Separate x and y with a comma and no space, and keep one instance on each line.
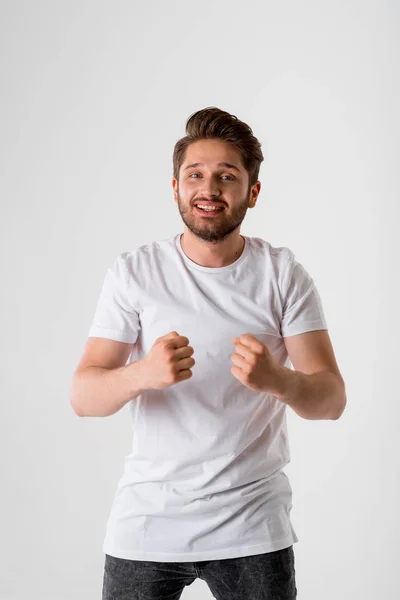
(210,187)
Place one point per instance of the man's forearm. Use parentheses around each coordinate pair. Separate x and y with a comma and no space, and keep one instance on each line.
(100,392)
(312,396)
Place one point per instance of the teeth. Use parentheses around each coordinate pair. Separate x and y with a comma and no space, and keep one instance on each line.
(208,207)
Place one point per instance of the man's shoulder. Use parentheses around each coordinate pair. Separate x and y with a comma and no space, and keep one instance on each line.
(280,255)
(146,253)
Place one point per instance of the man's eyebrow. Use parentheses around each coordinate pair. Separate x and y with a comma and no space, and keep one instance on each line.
(220,164)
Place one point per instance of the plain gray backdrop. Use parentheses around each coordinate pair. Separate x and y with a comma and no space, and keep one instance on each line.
(94,96)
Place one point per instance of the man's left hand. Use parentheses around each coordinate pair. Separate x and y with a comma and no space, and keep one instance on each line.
(255,365)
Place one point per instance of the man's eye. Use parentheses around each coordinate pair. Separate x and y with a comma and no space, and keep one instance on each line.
(222,175)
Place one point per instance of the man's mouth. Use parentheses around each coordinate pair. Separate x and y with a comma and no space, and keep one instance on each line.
(209,207)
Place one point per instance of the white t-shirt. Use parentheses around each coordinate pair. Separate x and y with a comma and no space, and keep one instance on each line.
(204,479)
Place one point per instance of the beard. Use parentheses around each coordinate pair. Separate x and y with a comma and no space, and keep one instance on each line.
(213,229)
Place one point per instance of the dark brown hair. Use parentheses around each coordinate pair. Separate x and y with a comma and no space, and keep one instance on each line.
(212,122)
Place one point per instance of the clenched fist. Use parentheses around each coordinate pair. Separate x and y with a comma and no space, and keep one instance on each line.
(168,362)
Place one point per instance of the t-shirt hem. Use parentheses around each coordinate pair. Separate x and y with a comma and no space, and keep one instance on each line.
(233,552)
(111,334)
(303,327)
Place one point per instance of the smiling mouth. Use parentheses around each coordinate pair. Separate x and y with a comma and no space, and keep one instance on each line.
(209,212)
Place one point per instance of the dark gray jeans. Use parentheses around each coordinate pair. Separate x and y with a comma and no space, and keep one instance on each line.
(269,576)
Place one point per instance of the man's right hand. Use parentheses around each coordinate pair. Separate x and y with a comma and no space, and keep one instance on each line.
(169,361)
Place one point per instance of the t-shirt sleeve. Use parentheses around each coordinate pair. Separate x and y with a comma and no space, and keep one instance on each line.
(115,318)
(302,308)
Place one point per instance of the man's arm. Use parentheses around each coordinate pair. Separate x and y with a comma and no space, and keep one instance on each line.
(102,383)
(315,389)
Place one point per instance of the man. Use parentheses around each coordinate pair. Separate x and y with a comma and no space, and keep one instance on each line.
(193,332)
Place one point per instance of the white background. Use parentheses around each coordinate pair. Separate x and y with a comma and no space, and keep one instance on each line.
(94,95)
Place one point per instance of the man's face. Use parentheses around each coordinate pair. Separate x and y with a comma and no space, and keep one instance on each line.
(210,181)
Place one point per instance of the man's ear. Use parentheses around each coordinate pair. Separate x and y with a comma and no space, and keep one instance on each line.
(254,194)
(175,188)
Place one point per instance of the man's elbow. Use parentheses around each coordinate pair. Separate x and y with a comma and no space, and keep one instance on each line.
(342,408)
(76,409)
(72,400)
